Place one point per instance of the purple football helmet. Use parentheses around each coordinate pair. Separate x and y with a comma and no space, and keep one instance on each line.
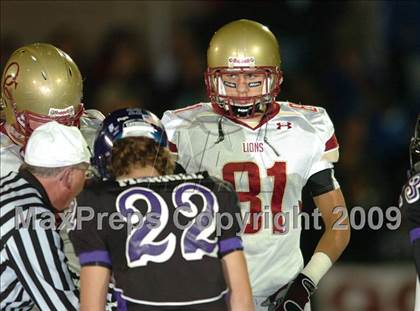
(122,123)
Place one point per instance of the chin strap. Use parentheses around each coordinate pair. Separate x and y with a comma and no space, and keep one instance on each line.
(266,137)
(14,135)
(221,133)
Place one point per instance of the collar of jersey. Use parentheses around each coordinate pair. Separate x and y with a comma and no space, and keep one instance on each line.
(31,179)
(273,111)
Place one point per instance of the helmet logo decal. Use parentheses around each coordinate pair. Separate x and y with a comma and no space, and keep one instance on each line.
(12,73)
(55,112)
(248,61)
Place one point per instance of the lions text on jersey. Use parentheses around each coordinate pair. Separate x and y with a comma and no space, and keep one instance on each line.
(268,165)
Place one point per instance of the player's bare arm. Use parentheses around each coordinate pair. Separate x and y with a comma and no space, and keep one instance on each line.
(331,245)
(94,281)
(337,229)
(236,275)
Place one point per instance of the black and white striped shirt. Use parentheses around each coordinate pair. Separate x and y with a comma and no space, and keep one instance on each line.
(33,267)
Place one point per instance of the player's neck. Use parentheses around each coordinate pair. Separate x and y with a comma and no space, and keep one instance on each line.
(138,172)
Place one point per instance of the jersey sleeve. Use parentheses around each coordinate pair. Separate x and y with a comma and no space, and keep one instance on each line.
(90,123)
(9,155)
(410,204)
(329,149)
(39,262)
(229,220)
(88,232)
(172,122)
(176,122)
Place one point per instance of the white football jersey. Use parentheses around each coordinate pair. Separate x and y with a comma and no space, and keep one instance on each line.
(10,156)
(268,166)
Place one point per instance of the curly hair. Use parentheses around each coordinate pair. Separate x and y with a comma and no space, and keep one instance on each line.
(132,152)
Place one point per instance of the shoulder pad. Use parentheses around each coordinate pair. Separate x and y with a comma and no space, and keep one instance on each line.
(318,118)
(304,108)
(93,114)
(90,123)
(411,191)
(5,141)
(176,120)
(185,115)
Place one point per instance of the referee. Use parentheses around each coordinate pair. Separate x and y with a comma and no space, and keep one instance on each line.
(33,268)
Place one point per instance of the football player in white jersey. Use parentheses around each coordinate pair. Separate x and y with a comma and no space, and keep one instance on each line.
(41,83)
(269,150)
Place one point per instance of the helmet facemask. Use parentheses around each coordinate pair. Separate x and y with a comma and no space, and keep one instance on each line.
(27,121)
(219,84)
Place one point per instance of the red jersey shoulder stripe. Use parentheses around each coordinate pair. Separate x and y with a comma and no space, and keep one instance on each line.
(172,147)
(331,143)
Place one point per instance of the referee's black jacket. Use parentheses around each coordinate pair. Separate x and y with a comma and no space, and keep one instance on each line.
(33,268)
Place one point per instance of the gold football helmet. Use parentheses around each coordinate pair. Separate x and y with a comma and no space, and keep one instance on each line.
(40,83)
(243,47)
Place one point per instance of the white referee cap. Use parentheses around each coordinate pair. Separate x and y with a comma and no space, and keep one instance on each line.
(55,145)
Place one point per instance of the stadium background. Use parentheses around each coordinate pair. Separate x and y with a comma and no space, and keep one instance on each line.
(358,59)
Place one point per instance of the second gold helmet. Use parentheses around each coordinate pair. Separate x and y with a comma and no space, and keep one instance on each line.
(40,83)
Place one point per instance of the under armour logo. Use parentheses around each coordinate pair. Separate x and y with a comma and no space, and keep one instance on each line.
(287,125)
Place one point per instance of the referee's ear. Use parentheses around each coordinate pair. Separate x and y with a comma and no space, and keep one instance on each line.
(65,178)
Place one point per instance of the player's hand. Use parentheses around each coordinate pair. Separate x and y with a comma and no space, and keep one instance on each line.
(292,297)
(275,299)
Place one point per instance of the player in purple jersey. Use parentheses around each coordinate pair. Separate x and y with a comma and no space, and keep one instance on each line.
(175,258)
(410,202)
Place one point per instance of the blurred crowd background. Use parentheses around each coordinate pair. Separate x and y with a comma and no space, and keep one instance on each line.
(358,59)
